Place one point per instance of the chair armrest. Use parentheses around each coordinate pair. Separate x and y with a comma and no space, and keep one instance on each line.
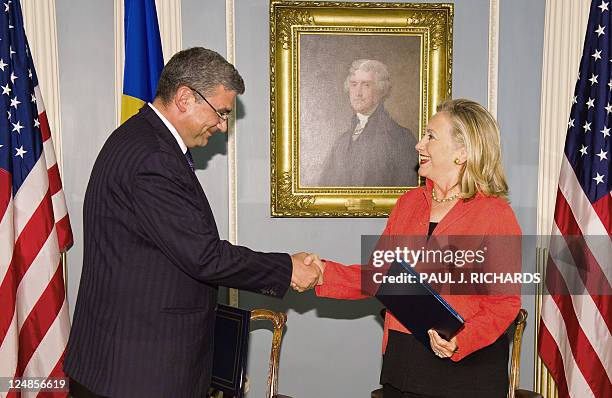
(518,394)
(526,394)
(377,393)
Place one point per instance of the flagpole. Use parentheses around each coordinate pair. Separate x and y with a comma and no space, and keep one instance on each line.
(65,268)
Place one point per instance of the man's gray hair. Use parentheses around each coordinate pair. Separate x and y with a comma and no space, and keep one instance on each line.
(199,68)
(381,73)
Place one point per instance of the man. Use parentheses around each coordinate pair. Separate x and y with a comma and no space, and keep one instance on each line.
(144,317)
(375,151)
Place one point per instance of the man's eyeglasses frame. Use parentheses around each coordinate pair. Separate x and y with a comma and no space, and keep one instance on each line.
(222,116)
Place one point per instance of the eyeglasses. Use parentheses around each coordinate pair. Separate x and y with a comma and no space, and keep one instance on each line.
(223,116)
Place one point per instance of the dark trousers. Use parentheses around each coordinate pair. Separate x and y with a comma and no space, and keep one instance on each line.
(391,392)
(78,390)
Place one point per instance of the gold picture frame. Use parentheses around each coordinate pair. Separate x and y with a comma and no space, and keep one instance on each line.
(312,47)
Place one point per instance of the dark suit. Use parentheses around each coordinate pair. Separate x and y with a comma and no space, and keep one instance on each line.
(144,317)
(383,155)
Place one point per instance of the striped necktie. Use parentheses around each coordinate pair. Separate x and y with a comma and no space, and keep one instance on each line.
(190,159)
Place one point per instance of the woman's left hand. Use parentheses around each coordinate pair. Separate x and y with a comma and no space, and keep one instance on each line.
(442,348)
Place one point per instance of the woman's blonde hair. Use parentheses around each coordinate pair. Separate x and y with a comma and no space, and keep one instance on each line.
(476,129)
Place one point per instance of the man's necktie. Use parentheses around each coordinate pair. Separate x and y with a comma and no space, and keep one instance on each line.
(190,159)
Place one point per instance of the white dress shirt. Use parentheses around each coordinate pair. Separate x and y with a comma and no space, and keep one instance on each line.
(172,129)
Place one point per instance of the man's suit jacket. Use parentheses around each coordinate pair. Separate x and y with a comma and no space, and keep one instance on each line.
(144,319)
(383,155)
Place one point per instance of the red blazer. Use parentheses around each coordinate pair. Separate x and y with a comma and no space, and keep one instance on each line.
(486,317)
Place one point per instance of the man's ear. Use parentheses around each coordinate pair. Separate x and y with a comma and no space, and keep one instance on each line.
(182,97)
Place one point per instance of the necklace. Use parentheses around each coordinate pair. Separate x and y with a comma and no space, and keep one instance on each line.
(435,199)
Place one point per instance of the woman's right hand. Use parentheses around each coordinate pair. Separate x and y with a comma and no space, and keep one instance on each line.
(442,348)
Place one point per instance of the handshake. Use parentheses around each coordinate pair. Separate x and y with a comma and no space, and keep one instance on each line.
(307,271)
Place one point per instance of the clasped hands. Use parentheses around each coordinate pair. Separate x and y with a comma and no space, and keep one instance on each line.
(307,271)
(442,348)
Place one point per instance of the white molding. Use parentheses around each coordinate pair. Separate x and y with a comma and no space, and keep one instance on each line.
(493,56)
(564,30)
(41,30)
(119,57)
(170,26)
(232,182)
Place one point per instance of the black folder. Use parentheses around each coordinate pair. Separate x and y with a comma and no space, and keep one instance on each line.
(417,306)
(230,350)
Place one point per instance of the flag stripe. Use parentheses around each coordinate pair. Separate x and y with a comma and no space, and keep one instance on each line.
(28,199)
(577,385)
(59,206)
(589,221)
(550,354)
(64,233)
(584,253)
(5,193)
(6,245)
(589,351)
(40,319)
(569,273)
(33,237)
(49,154)
(50,347)
(55,184)
(40,104)
(586,219)
(37,278)
(602,208)
(57,372)
(44,126)
(7,293)
(9,344)
(27,247)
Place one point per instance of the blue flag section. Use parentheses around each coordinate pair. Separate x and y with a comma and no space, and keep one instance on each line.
(143,56)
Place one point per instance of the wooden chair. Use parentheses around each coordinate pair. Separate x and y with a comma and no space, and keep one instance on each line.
(516,334)
(243,317)
(515,359)
(278,320)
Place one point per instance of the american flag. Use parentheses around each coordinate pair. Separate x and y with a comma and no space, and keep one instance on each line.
(34,224)
(574,340)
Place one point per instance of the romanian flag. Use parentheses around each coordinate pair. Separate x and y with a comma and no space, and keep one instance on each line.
(143,56)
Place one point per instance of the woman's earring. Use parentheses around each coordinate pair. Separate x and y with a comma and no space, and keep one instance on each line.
(457,161)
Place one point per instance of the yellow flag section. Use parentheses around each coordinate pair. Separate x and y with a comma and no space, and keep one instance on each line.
(143,56)
(129,106)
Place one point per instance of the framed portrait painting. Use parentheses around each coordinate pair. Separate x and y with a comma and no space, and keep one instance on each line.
(352,86)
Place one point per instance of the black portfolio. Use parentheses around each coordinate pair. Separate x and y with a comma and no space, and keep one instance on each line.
(417,306)
(230,351)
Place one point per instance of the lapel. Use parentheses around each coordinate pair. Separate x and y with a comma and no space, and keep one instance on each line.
(166,136)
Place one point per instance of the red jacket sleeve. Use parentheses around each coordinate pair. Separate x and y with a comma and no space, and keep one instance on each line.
(341,282)
(344,281)
(497,310)
(494,315)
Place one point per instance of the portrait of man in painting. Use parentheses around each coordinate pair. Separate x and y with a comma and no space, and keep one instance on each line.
(359,112)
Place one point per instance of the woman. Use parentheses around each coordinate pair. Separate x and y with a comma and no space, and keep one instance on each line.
(465,194)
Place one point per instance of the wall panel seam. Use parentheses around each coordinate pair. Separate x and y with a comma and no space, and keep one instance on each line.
(493,59)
